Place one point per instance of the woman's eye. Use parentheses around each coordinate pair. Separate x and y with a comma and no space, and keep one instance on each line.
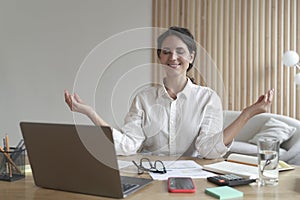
(180,51)
(166,51)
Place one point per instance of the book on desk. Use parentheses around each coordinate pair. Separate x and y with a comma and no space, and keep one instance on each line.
(242,165)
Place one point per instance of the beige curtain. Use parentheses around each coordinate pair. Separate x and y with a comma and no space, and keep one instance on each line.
(245,40)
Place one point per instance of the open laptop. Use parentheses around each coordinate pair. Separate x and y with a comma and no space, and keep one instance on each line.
(76,158)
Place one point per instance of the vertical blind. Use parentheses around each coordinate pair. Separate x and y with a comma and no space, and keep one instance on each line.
(244,41)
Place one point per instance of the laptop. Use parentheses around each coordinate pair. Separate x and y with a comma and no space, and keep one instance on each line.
(76,158)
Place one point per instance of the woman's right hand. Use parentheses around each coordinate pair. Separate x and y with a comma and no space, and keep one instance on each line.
(76,104)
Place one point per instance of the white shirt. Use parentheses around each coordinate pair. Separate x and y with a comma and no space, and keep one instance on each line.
(191,125)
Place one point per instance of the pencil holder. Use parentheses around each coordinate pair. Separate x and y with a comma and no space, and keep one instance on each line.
(12,164)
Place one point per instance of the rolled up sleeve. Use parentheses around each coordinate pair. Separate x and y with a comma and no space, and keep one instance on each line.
(129,140)
(209,142)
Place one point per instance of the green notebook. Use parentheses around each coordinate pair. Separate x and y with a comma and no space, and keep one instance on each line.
(224,192)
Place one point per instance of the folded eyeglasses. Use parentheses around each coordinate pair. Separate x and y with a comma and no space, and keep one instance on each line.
(146,165)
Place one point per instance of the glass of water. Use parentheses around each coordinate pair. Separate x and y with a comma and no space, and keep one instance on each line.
(268,157)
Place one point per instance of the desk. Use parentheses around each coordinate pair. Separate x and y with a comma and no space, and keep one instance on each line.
(288,188)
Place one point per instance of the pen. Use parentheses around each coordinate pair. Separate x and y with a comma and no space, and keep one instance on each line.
(10,160)
(7,150)
(4,144)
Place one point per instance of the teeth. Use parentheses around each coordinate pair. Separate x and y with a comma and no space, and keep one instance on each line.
(173,65)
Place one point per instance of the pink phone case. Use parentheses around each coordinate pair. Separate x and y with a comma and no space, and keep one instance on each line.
(181,185)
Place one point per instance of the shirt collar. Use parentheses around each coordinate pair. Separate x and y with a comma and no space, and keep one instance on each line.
(162,91)
(186,92)
(187,89)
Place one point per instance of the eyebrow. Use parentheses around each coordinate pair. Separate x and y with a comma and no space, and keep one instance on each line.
(168,48)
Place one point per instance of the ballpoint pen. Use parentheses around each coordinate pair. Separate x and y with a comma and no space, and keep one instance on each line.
(4,143)
(8,153)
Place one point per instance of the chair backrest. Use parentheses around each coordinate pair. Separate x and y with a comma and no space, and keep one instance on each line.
(254,125)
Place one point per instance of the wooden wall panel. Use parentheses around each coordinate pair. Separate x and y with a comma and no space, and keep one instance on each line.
(245,40)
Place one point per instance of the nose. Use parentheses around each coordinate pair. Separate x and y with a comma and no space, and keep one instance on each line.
(174,55)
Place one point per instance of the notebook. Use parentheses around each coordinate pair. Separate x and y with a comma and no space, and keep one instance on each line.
(224,167)
(242,165)
(76,158)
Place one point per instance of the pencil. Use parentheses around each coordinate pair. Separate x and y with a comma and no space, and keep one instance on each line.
(7,150)
(10,160)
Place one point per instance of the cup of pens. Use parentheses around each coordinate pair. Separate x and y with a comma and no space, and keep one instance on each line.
(12,161)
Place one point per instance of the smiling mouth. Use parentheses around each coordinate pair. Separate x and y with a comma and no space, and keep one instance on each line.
(174,65)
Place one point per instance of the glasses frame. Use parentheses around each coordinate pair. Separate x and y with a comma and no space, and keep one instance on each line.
(153,167)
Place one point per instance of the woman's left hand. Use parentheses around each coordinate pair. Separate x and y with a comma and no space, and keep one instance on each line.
(262,104)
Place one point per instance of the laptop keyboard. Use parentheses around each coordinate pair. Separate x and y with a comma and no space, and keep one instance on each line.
(128,187)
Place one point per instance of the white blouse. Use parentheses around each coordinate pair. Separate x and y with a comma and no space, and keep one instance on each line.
(191,125)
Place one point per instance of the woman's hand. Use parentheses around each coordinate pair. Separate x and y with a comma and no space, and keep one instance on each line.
(262,105)
(76,104)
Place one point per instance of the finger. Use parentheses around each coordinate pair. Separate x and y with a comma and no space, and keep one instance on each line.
(261,98)
(67,96)
(68,99)
(271,94)
(74,103)
(266,96)
(66,93)
(78,99)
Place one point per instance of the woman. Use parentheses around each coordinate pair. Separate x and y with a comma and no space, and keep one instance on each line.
(178,117)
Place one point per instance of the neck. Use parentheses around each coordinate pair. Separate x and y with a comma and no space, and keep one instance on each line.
(175,84)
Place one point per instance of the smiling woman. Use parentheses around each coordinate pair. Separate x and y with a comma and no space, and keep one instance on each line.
(177,117)
(176,51)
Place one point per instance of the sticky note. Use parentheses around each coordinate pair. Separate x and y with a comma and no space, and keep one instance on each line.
(224,192)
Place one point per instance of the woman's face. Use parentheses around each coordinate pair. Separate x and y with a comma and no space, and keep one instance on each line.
(175,55)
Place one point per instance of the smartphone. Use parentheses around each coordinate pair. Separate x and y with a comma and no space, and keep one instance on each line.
(181,185)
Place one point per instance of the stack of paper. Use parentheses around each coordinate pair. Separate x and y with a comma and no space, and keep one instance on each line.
(177,168)
(182,168)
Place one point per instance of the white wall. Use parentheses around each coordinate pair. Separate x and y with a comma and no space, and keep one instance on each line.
(43,43)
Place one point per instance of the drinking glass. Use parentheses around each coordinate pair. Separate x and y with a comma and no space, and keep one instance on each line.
(268,158)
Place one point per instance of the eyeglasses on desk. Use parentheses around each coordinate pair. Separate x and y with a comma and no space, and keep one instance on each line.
(146,165)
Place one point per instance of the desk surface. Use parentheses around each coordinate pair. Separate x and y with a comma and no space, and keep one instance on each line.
(288,188)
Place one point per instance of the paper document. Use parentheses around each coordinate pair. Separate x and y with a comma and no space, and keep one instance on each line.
(182,168)
(178,168)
